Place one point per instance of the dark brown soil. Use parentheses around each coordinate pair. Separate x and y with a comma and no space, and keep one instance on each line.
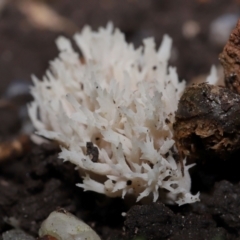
(33,186)
(36,182)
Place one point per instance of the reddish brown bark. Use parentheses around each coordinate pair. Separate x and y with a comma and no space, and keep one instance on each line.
(207,121)
(230,60)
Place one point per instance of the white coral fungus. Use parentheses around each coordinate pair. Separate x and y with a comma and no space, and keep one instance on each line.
(121,101)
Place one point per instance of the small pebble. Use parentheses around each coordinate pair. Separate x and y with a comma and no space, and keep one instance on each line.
(62,225)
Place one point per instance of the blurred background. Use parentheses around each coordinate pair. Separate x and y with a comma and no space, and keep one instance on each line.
(28,29)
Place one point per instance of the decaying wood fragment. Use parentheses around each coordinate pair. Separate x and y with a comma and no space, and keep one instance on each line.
(230,60)
(14,148)
(207,119)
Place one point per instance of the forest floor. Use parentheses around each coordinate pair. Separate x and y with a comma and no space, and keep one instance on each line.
(34,182)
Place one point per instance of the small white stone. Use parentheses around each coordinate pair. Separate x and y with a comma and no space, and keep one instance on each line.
(65,226)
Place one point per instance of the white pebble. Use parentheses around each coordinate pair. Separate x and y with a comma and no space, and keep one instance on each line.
(65,226)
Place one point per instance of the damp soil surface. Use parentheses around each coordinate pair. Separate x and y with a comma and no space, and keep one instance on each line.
(34,181)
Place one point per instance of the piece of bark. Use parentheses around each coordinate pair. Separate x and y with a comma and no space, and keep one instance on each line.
(230,60)
(14,148)
(207,119)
